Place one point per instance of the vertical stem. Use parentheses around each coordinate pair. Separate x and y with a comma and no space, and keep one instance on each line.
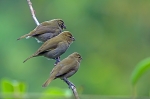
(75,92)
(72,86)
(32,12)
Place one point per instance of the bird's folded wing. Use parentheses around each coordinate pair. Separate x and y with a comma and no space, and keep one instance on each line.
(44,29)
(48,45)
(66,68)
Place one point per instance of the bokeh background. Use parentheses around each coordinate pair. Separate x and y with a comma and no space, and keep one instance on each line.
(111,35)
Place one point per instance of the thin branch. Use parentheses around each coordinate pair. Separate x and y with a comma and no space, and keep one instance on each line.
(32,12)
(72,86)
(75,92)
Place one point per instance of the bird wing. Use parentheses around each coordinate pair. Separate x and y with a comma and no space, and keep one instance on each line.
(60,49)
(61,64)
(44,27)
(49,45)
(67,68)
(56,69)
(52,76)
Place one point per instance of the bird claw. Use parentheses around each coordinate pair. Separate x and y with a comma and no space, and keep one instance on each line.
(70,85)
(57,61)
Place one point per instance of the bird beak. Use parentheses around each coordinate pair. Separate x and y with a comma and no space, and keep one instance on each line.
(73,39)
(64,26)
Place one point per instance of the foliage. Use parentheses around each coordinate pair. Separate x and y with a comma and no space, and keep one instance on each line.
(18,90)
(12,89)
(139,70)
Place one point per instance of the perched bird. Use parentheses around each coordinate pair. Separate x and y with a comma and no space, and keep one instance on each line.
(55,47)
(46,30)
(65,68)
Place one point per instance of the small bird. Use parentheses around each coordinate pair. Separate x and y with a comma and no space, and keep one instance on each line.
(65,69)
(54,47)
(46,30)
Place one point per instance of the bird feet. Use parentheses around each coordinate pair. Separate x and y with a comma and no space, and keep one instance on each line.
(70,84)
(57,61)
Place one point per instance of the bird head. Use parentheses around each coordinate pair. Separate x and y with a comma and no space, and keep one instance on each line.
(67,36)
(76,56)
(61,23)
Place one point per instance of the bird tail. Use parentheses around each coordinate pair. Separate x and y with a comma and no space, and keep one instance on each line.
(28,58)
(26,35)
(48,81)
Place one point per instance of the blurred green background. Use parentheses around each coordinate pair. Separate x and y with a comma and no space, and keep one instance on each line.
(111,35)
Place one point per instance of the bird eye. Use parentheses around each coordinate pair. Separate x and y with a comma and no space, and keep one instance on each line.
(79,56)
(61,24)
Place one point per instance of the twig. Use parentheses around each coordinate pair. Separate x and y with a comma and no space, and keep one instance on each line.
(32,12)
(75,92)
(72,86)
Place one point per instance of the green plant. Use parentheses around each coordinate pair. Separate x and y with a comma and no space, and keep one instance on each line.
(12,89)
(139,70)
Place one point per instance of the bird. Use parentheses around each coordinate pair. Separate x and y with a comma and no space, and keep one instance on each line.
(46,30)
(54,47)
(65,69)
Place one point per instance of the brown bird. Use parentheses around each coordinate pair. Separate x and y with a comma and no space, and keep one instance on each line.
(65,69)
(46,30)
(54,47)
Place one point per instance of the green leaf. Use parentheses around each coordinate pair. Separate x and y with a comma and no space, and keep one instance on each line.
(12,89)
(22,87)
(7,86)
(139,70)
(18,86)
